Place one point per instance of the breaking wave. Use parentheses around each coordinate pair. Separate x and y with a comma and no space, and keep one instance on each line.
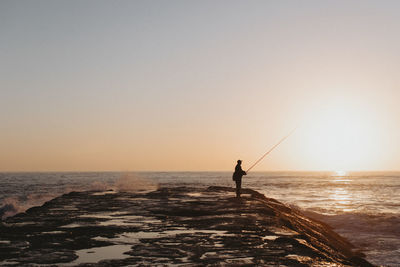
(125,182)
(376,235)
(129,182)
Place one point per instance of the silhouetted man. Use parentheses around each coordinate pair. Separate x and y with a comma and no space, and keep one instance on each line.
(237,177)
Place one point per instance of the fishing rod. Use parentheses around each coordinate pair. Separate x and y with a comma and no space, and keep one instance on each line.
(269,151)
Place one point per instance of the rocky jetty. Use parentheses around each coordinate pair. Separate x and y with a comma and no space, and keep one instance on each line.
(170,226)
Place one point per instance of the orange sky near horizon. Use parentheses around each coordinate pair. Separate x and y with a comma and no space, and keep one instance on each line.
(194,86)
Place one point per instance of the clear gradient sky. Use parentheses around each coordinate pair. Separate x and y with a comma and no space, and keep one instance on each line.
(195,85)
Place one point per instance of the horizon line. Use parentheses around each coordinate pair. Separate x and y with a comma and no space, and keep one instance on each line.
(122,171)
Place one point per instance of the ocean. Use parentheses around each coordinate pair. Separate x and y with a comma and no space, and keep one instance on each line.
(364,207)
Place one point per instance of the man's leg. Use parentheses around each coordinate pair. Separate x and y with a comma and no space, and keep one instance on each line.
(238,186)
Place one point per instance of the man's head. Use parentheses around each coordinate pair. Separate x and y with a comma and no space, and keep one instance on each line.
(239,161)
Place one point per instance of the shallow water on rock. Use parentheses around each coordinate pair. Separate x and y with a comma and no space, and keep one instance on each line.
(170,226)
(364,207)
(94,255)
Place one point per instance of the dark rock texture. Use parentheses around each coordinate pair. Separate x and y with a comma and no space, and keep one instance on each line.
(170,226)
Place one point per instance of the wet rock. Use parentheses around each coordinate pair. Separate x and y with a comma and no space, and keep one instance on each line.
(188,226)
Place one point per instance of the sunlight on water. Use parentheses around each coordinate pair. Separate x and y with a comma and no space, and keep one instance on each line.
(340,173)
(342,199)
(362,206)
(341,195)
(341,176)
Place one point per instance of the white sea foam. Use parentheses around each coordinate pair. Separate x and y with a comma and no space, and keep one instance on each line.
(364,207)
(376,235)
(24,192)
(129,182)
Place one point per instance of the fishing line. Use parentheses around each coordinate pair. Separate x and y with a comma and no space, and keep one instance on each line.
(269,151)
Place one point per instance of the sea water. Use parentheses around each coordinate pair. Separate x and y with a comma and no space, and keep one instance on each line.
(363,207)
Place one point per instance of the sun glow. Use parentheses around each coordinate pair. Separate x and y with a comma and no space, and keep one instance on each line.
(340,137)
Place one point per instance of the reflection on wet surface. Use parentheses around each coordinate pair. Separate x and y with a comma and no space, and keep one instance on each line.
(136,237)
(8,262)
(104,193)
(282,231)
(170,226)
(270,237)
(94,255)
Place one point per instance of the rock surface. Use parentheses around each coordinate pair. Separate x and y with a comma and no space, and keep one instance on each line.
(170,226)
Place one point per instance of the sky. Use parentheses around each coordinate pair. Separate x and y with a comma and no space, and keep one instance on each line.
(196,85)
